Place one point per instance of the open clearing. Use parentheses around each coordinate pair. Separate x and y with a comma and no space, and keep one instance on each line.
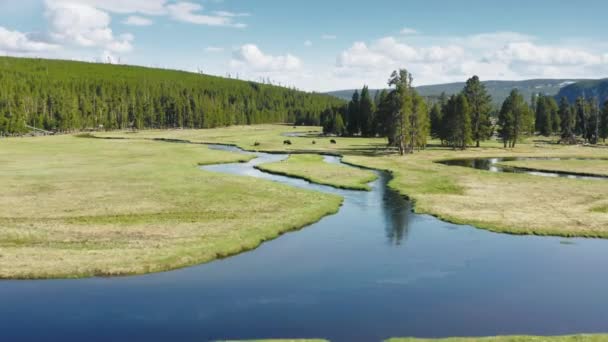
(75,207)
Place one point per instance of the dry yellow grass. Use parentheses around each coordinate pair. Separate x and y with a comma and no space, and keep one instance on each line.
(73,207)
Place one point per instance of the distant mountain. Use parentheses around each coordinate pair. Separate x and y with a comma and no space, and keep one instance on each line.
(498,89)
(588,89)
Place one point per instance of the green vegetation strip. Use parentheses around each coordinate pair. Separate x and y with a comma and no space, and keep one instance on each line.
(75,207)
(313,168)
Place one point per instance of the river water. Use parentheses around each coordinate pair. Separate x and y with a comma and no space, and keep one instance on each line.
(372,271)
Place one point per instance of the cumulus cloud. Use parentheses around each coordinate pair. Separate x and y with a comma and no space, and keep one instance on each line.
(85,26)
(191,13)
(498,55)
(250,58)
(21,43)
(388,52)
(134,20)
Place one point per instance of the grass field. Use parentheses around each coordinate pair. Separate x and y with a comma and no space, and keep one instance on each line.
(586,167)
(312,168)
(75,207)
(501,202)
(570,338)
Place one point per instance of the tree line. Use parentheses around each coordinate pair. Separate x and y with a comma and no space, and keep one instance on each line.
(65,96)
(464,119)
(585,118)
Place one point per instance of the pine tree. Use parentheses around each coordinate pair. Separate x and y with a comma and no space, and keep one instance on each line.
(514,119)
(353,126)
(366,111)
(603,129)
(480,103)
(457,122)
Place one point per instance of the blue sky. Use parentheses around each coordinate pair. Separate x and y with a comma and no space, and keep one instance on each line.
(319,45)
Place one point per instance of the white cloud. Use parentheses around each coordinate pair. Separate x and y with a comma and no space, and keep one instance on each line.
(527,52)
(498,55)
(150,7)
(214,49)
(230,14)
(328,37)
(85,26)
(307,43)
(406,31)
(250,58)
(190,12)
(135,20)
(388,52)
(18,42)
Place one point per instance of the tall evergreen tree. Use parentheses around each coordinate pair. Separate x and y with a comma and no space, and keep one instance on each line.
(480,103)
(366,112)
(457,122)
(353,126)
(514,119)
(568,120)
(603,129)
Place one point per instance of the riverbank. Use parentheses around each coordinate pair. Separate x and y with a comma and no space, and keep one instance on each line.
(506,203)
(597,167)
(74,207)
(313,168)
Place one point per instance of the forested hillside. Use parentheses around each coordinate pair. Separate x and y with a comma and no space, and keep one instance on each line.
(499,90)
(597,89)
(66,96)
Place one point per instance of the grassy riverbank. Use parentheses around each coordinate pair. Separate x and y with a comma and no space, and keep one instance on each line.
(74,207)
(586,167)
(570,338)
(312,168)
(508,203)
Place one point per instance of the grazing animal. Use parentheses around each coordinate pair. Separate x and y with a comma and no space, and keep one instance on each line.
(333,141)
(256,143)
(286,142)
(314,142)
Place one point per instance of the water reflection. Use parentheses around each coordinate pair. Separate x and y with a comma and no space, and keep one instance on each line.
(492,165)
(397,212)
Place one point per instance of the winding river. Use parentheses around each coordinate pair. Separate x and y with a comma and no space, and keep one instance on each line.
(371,271)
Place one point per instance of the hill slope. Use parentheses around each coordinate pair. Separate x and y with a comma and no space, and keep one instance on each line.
(588,89)
(498,89)
(65,96)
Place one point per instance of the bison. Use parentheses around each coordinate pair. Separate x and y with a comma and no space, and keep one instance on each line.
(333,141)
(286,142)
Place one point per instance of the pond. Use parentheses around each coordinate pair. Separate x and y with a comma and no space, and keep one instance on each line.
(494,165)
(373,270)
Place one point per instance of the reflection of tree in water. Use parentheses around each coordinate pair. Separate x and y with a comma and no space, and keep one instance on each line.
(396,214)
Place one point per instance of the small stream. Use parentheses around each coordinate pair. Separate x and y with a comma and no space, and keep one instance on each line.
(493,165)
(373,270)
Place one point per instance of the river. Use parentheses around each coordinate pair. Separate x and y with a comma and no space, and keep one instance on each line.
(373,270)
